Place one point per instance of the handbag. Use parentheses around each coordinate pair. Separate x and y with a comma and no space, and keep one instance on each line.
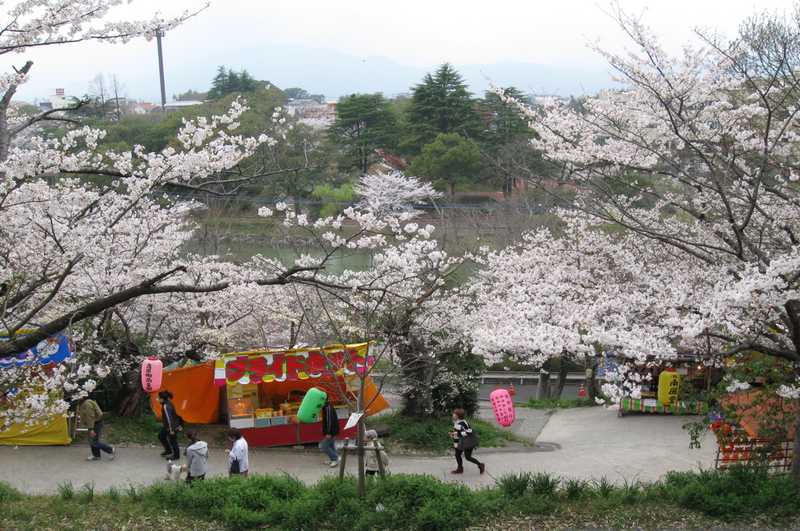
(468,441)
(235,467)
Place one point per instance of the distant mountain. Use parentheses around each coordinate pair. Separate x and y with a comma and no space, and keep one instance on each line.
(336,74)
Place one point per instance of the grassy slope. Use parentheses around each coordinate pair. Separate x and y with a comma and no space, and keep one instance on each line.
(702,500)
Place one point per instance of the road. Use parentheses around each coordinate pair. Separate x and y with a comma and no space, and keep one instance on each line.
(586,443)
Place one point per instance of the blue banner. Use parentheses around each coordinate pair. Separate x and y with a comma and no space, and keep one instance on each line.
(54,349)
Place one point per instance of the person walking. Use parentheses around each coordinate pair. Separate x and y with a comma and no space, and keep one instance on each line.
(330,429)
(372,467)
(238,458)
(90,416)
(464,441)
(196,458)
(170,426)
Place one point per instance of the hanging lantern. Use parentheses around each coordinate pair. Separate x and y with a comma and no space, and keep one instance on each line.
(151,374)
(503,407)
(311,406)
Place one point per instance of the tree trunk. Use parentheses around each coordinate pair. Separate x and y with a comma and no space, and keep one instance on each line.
(796,456)
(590,382)
(562,378)
(131,404)
(543,385)
(362,480)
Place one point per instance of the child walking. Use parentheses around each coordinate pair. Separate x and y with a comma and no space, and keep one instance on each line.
(464,441)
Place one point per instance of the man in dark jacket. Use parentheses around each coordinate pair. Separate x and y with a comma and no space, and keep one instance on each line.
(170,426)
(330,429)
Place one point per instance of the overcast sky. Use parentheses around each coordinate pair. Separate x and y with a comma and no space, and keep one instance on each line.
(288,41)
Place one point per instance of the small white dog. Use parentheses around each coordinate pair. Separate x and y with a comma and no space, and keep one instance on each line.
(174,471)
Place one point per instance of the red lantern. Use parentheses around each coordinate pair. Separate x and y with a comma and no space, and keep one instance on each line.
(151,374)
(503,407)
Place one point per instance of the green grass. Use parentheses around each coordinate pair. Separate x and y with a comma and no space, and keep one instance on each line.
(143,429)
(558,403)
(432,435)
(739,498)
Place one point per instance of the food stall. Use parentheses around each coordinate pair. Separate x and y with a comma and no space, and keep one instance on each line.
(264,389)
(676,387)
(747,437)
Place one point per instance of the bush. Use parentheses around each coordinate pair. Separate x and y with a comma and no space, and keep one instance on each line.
(514,485)
(736,492)
(575,489)
(66,491)
(544,484)
(558,403)
(8,493)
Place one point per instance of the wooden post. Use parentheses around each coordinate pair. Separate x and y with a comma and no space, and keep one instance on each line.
(381,470)
(343,460)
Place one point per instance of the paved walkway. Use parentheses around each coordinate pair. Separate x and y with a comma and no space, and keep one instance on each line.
(586,443)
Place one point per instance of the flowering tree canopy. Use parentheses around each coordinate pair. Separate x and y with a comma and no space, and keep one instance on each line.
(693,157)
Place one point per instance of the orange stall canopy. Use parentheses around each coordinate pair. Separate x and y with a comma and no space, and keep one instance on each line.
(195,396)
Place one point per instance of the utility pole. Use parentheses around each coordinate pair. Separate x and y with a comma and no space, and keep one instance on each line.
(161,71)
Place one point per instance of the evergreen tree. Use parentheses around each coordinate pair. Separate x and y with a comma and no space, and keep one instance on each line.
(450,159)
(228,81)
(247,83)
(440,104)
(220,84)
(364,123)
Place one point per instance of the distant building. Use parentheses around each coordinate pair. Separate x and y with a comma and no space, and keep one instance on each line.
(546,99)
(58,100)
(312,113)
(142,107)
(178,105)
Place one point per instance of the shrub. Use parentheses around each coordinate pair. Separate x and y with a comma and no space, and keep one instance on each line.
(735,492)
(8,493)
(87,493)
(543,484)
(514,485)
(575,488)
(603,487)
(66,491)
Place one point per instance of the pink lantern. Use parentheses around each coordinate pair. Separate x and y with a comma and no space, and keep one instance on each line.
(503,407)
(151,374)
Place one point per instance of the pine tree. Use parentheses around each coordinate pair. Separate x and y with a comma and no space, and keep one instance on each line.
(440,104)
(220,84)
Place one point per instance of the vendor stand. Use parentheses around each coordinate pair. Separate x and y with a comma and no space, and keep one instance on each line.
(264,389)
(674,388)
(747,441)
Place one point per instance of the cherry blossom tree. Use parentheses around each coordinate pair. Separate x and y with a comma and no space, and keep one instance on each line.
(696,154)
(405,300)
(76,254)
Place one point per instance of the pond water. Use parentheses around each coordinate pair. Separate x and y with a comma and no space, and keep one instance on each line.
(239,250)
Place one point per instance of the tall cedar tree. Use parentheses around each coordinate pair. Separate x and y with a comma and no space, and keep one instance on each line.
(228,81)
(364,123)
(440,104)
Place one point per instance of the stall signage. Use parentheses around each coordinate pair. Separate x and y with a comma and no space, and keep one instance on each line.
(294,366)
(668,386)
